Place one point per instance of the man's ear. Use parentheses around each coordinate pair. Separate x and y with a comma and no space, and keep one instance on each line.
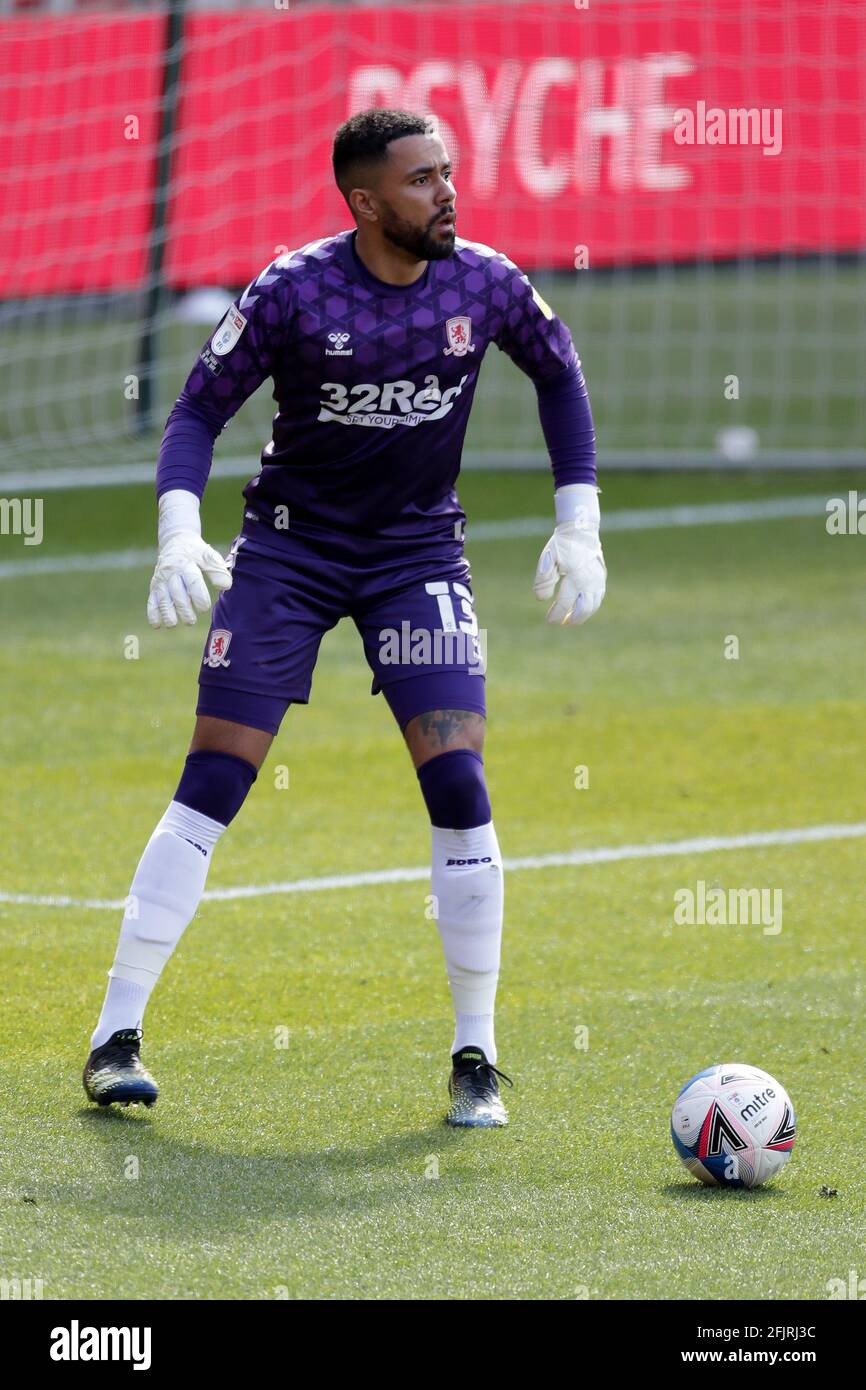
(363,205)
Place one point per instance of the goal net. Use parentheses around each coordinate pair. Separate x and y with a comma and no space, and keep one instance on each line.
(683,180)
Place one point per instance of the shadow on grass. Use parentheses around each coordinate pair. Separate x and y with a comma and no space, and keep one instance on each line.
(189,1188)
(697,1192)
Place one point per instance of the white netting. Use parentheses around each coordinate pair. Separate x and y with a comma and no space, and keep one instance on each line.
(719,293)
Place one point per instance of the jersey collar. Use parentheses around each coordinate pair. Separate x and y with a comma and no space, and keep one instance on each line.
(356,270)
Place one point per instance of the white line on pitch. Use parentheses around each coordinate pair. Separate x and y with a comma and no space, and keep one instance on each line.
(36,481)
(625,519)
(85,564)
(608,854)
(656,518)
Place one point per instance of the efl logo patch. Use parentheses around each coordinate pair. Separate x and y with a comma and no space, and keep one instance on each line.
(217,648)
(228,332)
(459,334)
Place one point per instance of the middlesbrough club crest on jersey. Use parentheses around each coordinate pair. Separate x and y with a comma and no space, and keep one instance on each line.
(459,334)
(217,648)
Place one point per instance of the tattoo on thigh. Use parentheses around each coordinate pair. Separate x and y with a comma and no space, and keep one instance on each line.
(442,727)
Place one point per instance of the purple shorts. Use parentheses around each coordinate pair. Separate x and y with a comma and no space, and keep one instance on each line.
(414,611)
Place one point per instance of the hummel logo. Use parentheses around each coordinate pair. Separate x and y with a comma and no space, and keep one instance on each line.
(338,345)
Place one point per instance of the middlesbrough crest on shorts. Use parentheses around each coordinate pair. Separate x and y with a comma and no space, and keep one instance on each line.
(217,648)
(458,331)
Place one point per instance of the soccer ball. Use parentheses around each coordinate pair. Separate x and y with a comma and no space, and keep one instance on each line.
(733,1126)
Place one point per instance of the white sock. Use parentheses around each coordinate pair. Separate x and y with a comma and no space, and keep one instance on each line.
(162,901)
(469,900)
(475,1030)
(123,1008)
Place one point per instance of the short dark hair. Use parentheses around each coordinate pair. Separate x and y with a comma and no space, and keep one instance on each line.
(363,141)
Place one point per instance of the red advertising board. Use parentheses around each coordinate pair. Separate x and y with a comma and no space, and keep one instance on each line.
(617,133)
(76,191)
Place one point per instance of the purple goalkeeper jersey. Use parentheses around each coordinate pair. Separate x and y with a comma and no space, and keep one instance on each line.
(373,384)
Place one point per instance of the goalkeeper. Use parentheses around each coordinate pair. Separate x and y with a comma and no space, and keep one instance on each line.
(374,340)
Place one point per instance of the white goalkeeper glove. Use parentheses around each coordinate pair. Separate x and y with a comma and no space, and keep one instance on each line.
(177,589)
(573,554)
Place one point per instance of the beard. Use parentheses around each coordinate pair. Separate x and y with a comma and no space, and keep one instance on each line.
(420,242)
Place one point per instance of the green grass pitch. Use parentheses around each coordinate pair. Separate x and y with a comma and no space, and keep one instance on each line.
(322,1169)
